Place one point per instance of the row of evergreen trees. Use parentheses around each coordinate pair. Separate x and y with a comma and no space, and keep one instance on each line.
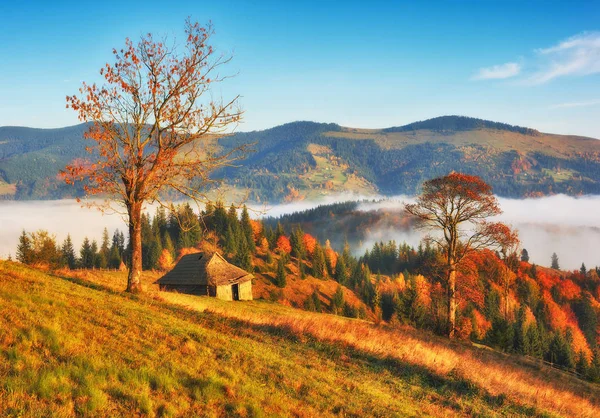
(41,248)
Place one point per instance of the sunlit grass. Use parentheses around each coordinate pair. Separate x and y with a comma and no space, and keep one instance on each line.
(80,346)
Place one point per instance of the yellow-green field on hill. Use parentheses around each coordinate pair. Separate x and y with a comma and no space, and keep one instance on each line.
(72,343)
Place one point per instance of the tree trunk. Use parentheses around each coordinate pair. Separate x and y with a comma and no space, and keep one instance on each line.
(134,283)
(451,300)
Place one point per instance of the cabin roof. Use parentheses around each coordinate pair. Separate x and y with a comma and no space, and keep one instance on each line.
(204,269)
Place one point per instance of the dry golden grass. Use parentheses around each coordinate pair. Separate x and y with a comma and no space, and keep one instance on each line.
(498,374)
(76,347)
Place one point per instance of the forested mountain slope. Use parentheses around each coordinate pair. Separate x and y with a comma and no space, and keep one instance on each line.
(306,159)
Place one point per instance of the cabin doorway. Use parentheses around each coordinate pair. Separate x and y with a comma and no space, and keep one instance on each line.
(235,291)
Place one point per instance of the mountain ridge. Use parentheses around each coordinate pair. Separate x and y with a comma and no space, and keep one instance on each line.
(459,122)
(305,159)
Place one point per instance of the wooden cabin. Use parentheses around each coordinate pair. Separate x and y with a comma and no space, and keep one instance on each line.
(208,274)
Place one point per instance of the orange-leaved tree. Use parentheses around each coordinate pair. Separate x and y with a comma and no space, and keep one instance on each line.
(457,206)
(153,128)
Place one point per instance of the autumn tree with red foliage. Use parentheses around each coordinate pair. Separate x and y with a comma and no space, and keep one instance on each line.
(310,243)
(457,206)
(283,245)
(153,128)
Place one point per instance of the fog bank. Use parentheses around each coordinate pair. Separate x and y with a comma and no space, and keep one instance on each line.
(566,225)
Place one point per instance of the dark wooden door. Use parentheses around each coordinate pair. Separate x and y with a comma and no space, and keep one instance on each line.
(235,290)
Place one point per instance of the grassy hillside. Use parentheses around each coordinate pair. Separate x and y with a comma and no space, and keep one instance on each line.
(303,160)
(76,345)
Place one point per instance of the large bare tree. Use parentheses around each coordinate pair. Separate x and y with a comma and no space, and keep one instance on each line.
(154,125)
(457,206)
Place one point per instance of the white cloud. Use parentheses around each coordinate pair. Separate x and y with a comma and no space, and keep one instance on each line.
(510,69)
(575,104)
(575,56)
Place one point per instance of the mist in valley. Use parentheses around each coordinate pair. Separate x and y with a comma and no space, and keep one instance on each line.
(566,225)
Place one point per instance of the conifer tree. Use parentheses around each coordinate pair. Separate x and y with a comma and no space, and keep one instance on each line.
(341,271)
(297,243)
(232,218)
(220,219)
(167,244)
(68,253)
(105,245)
(524,255)
(86,255)
(519,333)
(155,250)
(114,261)
(231,244)
(555,264)
(346,255)
(279,231)
(190,232)
(243,257)
(281,277)
(319,269)
(581,365)
(301,271)
(313,303)
(337,302)
(95,256)
(24,249)
(533,271)
(247,231)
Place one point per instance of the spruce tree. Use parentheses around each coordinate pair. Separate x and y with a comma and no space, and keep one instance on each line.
(167,244)
(337,301)
(297,243)
(86,256)
(279,231)
(154,252)
(341,271)
(230,245)
(315,301)
(301,271)
(319,269)
(114,261)
(555,264)
(24,249)
(219,219)
(281,277)
(68,253)
(95,255)
(105,247)
(247,231)
(243,257)
(519,333)
(524,255)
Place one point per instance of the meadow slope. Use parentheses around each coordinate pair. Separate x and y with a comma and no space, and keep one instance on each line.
(73,344)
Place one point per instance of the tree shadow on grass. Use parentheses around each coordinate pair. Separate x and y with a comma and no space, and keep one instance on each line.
(448,387)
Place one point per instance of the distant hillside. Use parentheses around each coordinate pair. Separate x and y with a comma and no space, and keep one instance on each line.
(79,347)
(30,160)
(304,160)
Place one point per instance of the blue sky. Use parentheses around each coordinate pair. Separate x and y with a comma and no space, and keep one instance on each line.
(361,64)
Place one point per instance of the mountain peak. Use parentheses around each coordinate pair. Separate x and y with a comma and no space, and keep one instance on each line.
(455,123)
